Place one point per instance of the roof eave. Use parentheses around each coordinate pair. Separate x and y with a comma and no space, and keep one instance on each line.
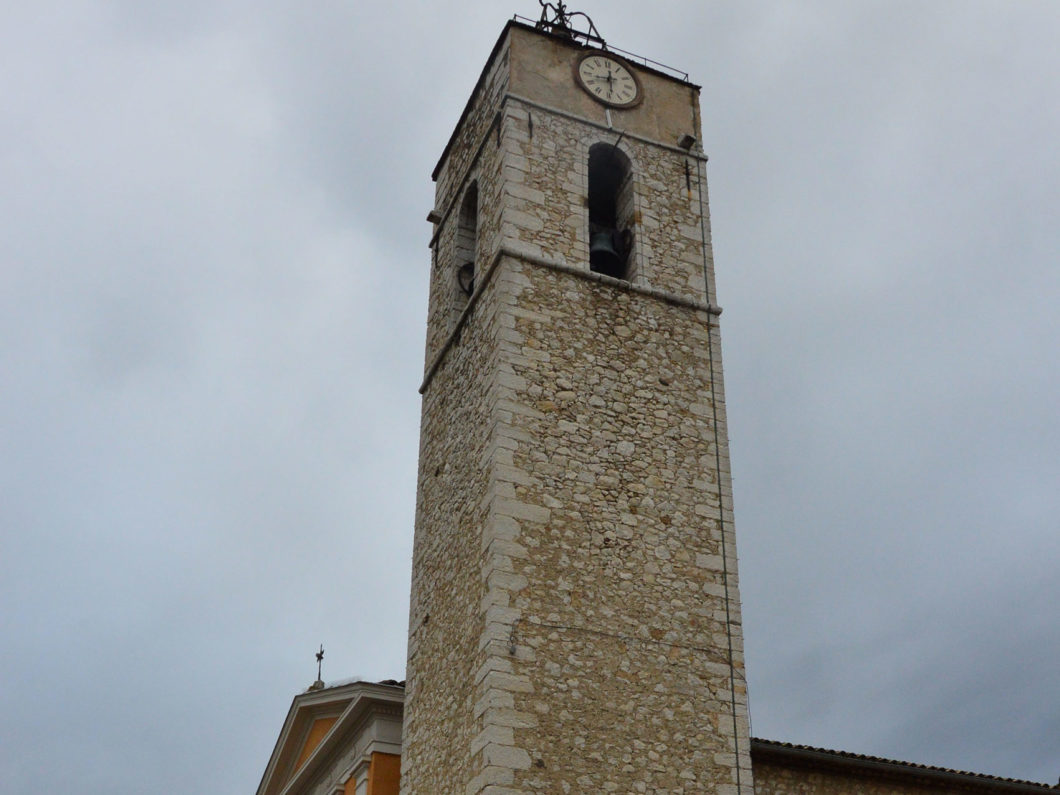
(856,764)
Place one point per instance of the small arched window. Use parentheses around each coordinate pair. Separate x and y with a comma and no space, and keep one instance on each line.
(610,211)
(466,242)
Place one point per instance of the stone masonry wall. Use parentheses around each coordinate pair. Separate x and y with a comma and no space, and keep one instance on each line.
(546,212)
(474,157)
(445,620)
(542,70)
(575,621)
(618,648)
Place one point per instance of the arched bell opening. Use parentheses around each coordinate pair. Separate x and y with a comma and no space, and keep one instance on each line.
(466,245)
(610,211)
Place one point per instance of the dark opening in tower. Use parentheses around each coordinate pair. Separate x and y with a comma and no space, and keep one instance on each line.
(466,243)
(610,211)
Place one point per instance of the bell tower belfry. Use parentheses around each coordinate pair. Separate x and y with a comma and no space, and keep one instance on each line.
(575,615)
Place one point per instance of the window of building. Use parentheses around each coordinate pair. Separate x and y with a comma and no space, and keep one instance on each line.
(610,211)
(466,241)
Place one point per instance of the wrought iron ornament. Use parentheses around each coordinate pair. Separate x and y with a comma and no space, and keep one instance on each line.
(556,19)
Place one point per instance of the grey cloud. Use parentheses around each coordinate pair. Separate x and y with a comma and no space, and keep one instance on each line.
(212,301)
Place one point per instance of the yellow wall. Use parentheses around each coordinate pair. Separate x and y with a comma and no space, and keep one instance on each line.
(316,734)
(384,774)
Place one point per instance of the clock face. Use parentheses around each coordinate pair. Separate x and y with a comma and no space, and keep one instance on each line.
(608,80)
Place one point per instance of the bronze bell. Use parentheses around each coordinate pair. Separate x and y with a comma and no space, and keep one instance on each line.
(465,277)
(605,254)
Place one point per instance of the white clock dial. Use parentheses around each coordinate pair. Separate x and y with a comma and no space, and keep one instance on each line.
(608,80)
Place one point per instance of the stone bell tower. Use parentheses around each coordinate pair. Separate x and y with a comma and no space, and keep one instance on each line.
(575,618)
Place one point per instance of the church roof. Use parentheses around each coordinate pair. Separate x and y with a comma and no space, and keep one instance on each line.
(792,755)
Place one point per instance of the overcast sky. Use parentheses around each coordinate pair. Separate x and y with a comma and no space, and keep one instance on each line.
(213,271)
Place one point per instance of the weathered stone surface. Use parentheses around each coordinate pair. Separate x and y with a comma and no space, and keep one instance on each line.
(574,624)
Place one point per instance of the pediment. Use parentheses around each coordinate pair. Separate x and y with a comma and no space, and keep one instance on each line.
(327,731)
